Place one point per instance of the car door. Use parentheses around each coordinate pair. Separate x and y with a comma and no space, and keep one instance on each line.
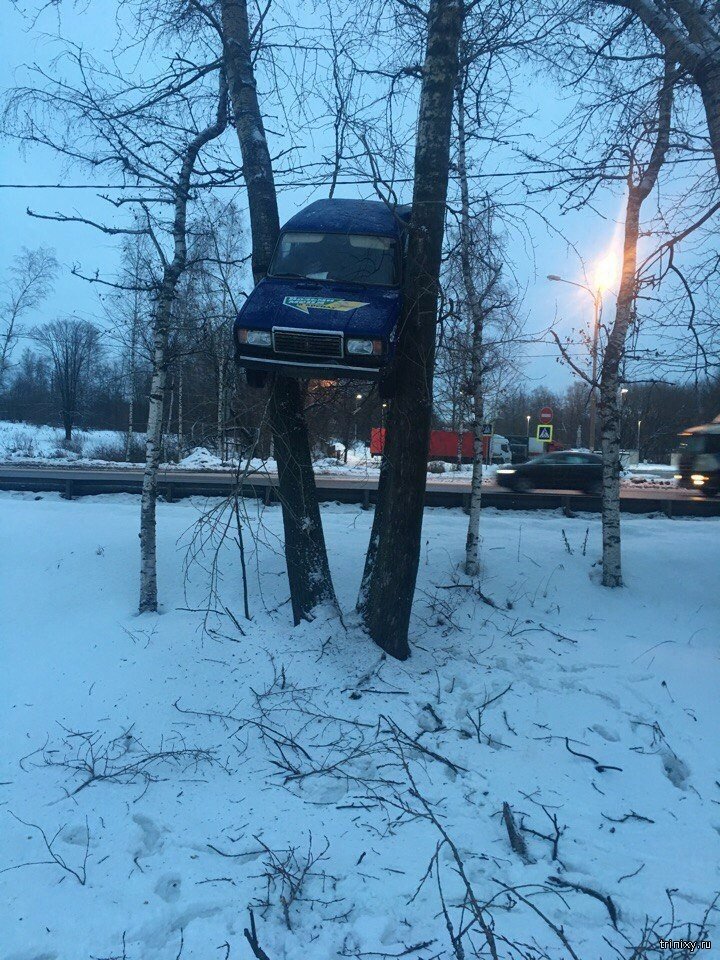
(577,471)
(547,471)
(583,471)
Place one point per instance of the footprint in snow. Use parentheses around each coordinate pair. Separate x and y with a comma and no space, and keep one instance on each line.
(606,734)
(168,887)
(151,839)
(675,769)
(77,835)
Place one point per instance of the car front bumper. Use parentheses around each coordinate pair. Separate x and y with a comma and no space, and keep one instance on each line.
(307,366)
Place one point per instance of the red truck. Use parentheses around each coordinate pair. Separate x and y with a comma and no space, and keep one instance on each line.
(445,444)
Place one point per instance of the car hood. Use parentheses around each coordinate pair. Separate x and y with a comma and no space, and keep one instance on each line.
(353,309)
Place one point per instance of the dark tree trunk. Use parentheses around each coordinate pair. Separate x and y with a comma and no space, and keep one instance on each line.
(388,585)
(305,552)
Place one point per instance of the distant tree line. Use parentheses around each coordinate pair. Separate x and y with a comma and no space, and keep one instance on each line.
(343,412)
(661,409)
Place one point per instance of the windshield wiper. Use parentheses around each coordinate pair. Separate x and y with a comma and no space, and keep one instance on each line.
(292,276)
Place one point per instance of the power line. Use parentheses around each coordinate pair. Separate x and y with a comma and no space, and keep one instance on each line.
(503,175)
(287,183)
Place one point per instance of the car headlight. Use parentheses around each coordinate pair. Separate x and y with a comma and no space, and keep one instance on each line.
(365,347)
(360,346)
(259,338)
(507,471)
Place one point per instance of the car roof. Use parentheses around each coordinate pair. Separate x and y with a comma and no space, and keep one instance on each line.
(371,217)
(713,427)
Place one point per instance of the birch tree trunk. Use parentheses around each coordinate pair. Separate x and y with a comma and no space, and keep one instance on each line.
(388,584)
(221,405)
(472,542)
(172,271)
(690,37)
(615,348)
(475,309)
(305,553)
(153,442)
(131,404)
(181,443)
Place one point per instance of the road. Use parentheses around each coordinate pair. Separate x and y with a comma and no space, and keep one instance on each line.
(174,484)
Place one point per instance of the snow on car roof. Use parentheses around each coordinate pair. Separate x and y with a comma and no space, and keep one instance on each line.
(350,216)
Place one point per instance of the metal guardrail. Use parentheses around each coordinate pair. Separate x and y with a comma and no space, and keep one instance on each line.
(77,482)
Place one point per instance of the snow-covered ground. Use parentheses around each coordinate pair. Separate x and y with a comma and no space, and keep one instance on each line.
(159,778)
(22,443)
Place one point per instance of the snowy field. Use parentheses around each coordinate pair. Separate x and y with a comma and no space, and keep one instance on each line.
(23,443)
(158,778)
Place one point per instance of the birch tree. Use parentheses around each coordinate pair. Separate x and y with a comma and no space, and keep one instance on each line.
(641,181)
(637,121)
(173,269)
(152,130)
(689,31)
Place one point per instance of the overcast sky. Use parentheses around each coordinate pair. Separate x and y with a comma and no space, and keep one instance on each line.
(543,250)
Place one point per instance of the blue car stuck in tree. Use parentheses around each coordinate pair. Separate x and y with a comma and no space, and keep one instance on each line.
(330,303)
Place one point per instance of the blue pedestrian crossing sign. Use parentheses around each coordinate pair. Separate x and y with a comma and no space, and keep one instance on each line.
(545,432)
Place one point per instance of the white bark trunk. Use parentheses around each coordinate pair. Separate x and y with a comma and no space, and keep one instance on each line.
(180,413)
(615,348)
(161,325)
(475,309)
(221,407)
(153,441)
(472,543)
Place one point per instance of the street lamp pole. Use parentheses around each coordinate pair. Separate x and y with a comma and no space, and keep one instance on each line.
(597,307)
(528,424)
(638,439)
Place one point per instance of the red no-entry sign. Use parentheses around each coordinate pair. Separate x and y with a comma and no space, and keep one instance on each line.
(546,415)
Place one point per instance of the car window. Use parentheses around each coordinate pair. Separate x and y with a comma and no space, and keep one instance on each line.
(693,444)
(336,256)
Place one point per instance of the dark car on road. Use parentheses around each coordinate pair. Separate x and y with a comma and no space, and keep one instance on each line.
(566,470)
(330,303)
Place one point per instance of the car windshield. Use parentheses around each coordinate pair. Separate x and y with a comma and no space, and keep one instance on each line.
(342,257)
(700,443)
(694,444)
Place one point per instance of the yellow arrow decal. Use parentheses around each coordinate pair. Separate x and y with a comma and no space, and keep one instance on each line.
(303,304)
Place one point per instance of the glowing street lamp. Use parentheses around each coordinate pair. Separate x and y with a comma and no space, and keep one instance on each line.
(606,273)
(528,424)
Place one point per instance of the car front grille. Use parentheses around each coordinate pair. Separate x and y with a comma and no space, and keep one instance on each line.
(307,343)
